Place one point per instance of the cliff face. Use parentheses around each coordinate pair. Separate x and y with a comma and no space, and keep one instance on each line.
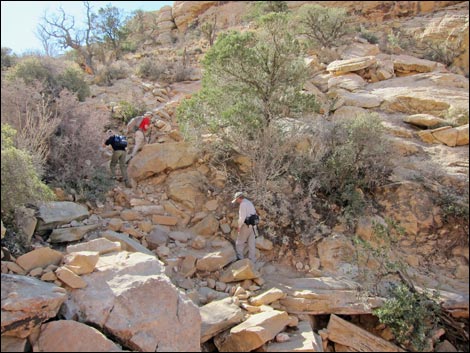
(376,11)
(438,20)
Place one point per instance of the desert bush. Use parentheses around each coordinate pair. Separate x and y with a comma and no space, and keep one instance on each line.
(397,42)
(453,204)
(64,137)
(369,36)
(126,111)
(32,113)
(457,116)
(411,316)
(151,69)
(323,26)
(75,147)
(208,30)
(357,157)
(72,79)
(108,74)
(258,9)
(8,59)
(181,72)
(32,69)
(339,169)
(272,151)
(251,80)
(54,74)
(444,52)
(96,186)
(20,182)
(129,47)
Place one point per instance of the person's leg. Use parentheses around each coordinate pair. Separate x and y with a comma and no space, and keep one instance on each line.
(123,167)
(251,245)
(241,241)
(113,163)
(139,141)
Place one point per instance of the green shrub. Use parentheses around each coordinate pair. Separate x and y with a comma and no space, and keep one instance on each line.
(8,60)
(258,9)
(33,69)
(54,75)
(128,47)
(357,157)
(252,79)
(73,80)
(454,206)
(410,315)
(324,26)
(127,111)
(20,182)
(399,41)
(369,36)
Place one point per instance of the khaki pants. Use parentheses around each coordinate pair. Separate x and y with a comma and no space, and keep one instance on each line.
(138,143)
(119,156)
(246,235)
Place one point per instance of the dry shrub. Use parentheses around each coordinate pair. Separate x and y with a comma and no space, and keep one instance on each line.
(107,74)
(276,154)
(152,69)
(299,170)
(272,152)
(63,136)
(31,112)
(76,144)
(164,70)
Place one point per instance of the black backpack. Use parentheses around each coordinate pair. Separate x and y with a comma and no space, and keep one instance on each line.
(253,220)
(120,141)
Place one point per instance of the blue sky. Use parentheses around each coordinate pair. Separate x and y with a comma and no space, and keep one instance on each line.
(20,18)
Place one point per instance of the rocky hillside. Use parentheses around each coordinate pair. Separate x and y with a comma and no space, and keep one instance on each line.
(154,267)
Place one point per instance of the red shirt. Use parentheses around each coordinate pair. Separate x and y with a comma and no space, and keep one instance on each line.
(144,124)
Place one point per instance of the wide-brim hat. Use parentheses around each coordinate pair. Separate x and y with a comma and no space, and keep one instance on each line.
(236,196)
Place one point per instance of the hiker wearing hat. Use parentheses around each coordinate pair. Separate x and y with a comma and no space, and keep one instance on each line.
(246,231)
(139,136)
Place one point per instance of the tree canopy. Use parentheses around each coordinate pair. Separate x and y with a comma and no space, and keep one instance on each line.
(252,79)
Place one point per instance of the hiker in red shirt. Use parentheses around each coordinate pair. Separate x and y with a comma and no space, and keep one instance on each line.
(139,136)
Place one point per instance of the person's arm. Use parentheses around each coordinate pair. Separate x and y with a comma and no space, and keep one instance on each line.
(241,215)
(107,142)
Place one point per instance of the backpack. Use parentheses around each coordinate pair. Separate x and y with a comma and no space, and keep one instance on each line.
(253,220)
(133,125)
(120,141)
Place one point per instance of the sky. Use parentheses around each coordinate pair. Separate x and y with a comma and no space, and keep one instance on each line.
(20,18)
